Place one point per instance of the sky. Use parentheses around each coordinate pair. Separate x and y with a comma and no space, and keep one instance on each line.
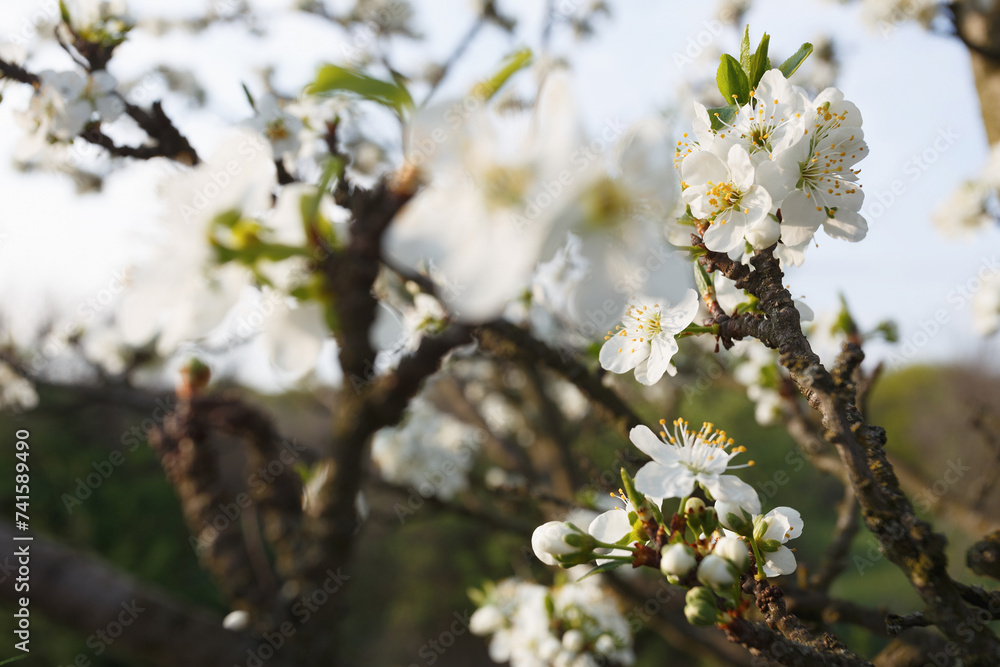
(61,252)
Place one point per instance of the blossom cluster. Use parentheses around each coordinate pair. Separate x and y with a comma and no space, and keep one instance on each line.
(717,535)
(775,167)
(572,625)
(431,450)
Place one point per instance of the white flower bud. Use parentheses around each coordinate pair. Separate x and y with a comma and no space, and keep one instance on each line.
(236,620)
(605,645)
(486,620)
(734,550)
(694,506)
(715,571)
(548,540)
(574,641)
(677,559)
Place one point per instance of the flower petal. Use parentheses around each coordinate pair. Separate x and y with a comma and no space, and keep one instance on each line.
(660,482)
(756,204)
(779,562)
(649,444)
(799,219)
(703,167)
(676,318)
(730,488)
(784,523)
(619,354)
(846,225)
(611,526)
(740,168)
(726,232)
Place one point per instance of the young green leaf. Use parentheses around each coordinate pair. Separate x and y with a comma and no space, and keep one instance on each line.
(759,63)
(246,91)
(509,67)
(732,80)
(332,78)
(796,59)
(720,116)
(745,50)
(704,282)
(606,567)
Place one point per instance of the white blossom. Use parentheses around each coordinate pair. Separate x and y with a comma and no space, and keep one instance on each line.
(63,104)
(645,340)
(282,129)
(480,224)
(772,531)
(986,306)
(724,192)
(686,459)
(821,170)
(181,294)
(430,450)
(16,392)
(570,625)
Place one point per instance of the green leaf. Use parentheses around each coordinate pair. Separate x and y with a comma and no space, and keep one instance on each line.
(759,63)
(732,80)
(745,49)
(606,567)
(721,116)
(277,252)
(332,78)
(510,66)
(246,91)
(796,59)
(704,283)
(64,14)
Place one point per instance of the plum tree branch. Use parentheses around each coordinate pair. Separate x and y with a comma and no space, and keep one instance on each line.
(907,540)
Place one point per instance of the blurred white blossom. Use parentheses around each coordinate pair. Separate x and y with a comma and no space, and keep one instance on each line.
(573,625)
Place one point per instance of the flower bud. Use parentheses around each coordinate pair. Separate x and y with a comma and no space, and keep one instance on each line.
(486,620)
(694,506)
(562,543)
(759,527)
(605,645)
(236,620)
(700,607)
(677,560)
(574,641)
(715,571)
(734,550)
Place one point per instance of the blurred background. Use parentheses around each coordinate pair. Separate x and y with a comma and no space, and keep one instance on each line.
(68,235)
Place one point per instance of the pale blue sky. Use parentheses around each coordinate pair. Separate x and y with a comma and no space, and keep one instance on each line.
(58,249)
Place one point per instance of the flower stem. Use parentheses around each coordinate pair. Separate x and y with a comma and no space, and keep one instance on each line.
(760,576)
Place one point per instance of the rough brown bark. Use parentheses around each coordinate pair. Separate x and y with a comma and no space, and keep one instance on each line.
(907,540)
